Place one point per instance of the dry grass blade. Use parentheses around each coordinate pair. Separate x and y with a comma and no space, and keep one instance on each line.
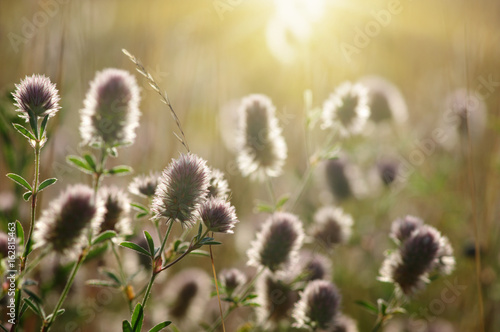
(140,68)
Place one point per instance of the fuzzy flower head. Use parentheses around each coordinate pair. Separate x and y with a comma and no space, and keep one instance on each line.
(313,266)
(336,175)
(278,242)
(144,185)
(232,280)
(332,226)
(63,224)
(262,149)
(347,109)
(117,216)
(111,109)
(388,171)
(183,187)
(318,306)
(423,252)
(218,215)
(402,228)
(276,299)
(218,185)
(36,95)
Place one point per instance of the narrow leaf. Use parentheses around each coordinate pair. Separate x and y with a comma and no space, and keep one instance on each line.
(20,232)
(151,243)
(212,243)
(200,253)
(119,170)
(112,276)
(101,283)
(46,183)
(104,236)
(135,247)
(33,122)
(160,326)
(139,207)
(90,161)
(20,181)
(35,297)
(367,305)
(58,313)
(141,214)
(23,131)
(43,126)
(34,307)
(126,326)
(137,317)
(27,195)
(80,164)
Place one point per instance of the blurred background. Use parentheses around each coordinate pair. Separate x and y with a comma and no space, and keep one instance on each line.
(208,54)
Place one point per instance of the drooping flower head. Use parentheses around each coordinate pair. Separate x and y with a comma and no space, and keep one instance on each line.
(423,252)
(347,109)
(318,307)
(332,226)
(117,216)
(111,109)
(218,185)
(144,185)
(36,95)
(275,297)
(218,215)
(277,244)
(232,280)
(63,224)
(262,149)
(183,187)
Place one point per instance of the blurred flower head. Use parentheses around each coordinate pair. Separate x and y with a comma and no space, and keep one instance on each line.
(318,306)
(144,185)
(338,181)
(117,216)
(345,323)
(423,252)
(276,299)
(347,109)
(385,100)
(36,95)
(232,280)
(332,226)
(183,187)
(111,109)
(388,171)
(262,149)
(63,224)
(218,185)
(277,244)
(402,228)
(313,266)
(218,215)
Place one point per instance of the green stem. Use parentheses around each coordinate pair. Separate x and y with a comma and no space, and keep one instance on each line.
(270,189)
(47,324)
(217,286)
(34,263)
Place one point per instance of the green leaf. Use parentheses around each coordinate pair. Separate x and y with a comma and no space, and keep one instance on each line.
(35,297)
(113,152)
(263,207)
(212,243)
(20,181)
(33,122)
(112,276)
(140,215)
(282,201)
(160,326)
(46,183)
(119,170)
(382,307)
(135,247)
(58,313)
(200,253)
(80,164)
(151,243)
(104,236)
(126,326)
(43,126)
(90,161)
(101,283)
(34,307)
(367,305)
(27,195)
(23,131)
(137,317)
(139,207)
(20,232)
(3,328)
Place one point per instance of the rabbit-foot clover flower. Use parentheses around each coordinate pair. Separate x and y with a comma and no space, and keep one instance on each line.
(63,224)
(111,109)
(318,306)
(262,148)
(117,216)
(183,187)
(277,244)
(276,299)
(347,108)
(144,185)
(423,252)
(36,96)
(218,215)
(332,226)
(232,280)
(218,185)
(402,228)
(313,266)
